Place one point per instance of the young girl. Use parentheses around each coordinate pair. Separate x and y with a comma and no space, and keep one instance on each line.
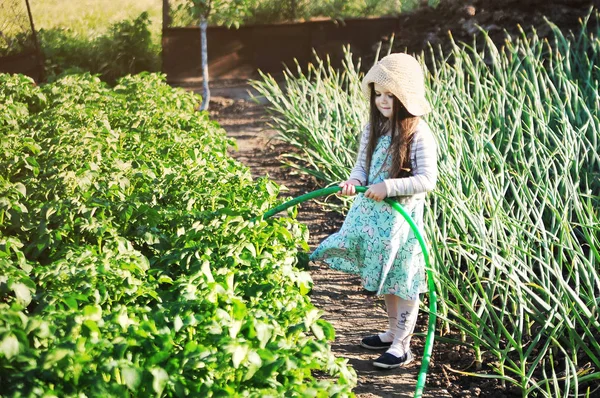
(397,159)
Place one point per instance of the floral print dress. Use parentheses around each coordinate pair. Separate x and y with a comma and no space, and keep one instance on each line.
(376,243)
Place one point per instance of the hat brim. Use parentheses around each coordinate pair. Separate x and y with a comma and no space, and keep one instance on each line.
(402,75)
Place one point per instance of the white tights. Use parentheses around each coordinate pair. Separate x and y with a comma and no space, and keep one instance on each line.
(402,318)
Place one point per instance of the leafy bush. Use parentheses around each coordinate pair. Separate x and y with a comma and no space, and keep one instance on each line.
(15,44)
(514,222)
(270,11)
(275,11)
(126,48)
(129,260)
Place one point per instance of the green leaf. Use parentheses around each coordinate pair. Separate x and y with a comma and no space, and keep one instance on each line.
(271,188)
(266,371)
(177,323)
(254,363)
(317,331)
(207,271)
(239,353)
(123,319)
(239,309)
(21,189)
(311,317)
(9,346)
(304,282)
(263,332)
(71,302)
(55,356)
(159,357)
(92,312)
(92,326)
(327,329)
(234,328)
(22,292)
(132,377)
(250,247)
(161,377)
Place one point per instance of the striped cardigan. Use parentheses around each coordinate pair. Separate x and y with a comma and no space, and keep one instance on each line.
(423,161)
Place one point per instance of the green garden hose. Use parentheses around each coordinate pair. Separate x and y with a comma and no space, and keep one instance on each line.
(432,294)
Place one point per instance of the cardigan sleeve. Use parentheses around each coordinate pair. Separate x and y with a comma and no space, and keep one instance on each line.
(425,171)
(359,172)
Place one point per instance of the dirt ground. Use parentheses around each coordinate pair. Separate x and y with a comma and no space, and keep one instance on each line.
(341,298)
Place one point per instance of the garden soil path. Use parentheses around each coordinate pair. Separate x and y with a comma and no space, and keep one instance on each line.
(340,296)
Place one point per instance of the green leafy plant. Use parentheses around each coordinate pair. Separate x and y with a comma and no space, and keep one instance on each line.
(126,48)
(276,11)
(128,261)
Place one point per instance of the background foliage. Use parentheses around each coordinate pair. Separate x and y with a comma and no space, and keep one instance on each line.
(91,18)
(274,11)
(117,38)
(126,48)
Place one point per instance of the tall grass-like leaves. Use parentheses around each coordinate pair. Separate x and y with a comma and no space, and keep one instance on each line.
(514,222)
(515,230)
(319,112)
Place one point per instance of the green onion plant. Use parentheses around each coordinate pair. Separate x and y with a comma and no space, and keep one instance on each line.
(514,223)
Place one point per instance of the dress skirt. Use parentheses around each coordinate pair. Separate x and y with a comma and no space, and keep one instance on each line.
(377,243)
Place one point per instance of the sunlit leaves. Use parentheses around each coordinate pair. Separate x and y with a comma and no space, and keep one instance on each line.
(128,264)
(9,346)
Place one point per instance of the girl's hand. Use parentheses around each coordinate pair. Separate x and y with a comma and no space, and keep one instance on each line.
(348,187)
(377,192)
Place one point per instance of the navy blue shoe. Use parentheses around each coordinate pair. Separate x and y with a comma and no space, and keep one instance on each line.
(389,361)
(374,343)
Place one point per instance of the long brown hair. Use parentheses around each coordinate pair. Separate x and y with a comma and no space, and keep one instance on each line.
(403,127)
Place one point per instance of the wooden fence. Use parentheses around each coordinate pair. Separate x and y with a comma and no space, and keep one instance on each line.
(239,53)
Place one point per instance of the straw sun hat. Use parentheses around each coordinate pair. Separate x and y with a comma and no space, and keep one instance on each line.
(402,75)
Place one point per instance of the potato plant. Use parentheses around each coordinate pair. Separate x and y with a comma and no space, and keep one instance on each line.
(130,261)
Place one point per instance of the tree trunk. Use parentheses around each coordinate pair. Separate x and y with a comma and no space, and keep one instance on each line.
(293,16)
(36,43)
(166,15)
(205,89)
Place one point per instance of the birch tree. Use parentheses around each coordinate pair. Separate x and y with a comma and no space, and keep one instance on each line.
(219,12)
